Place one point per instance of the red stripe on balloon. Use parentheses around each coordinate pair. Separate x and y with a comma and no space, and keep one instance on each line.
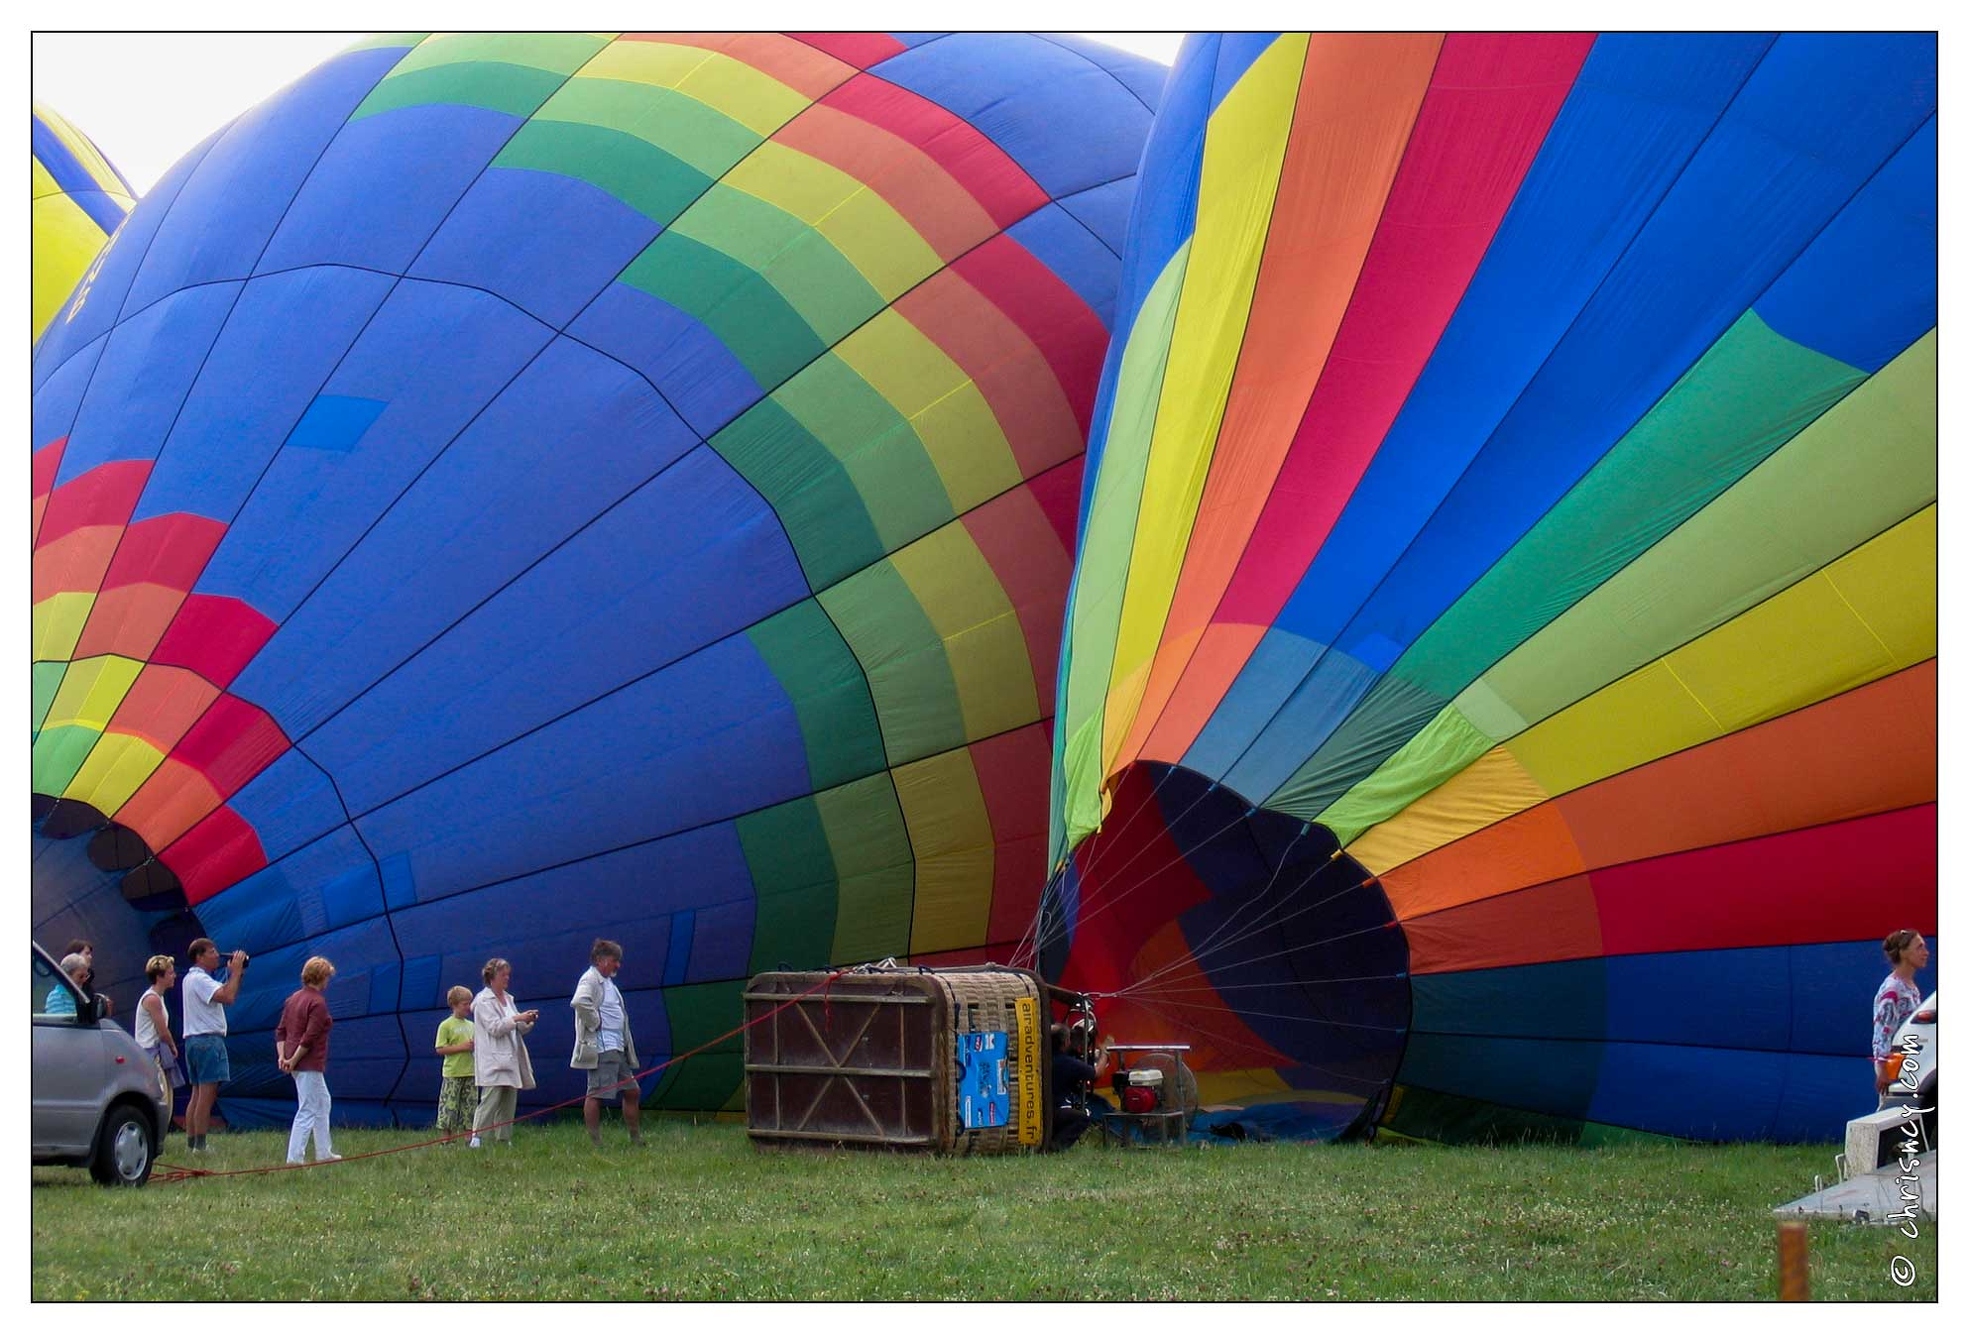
(231,744)
(219,851)
(1067,333)
(215,637)
(1425,252)
(985,171)
(860,49)
(106,495)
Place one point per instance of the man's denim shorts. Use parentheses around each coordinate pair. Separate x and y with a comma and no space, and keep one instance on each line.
(205,1059)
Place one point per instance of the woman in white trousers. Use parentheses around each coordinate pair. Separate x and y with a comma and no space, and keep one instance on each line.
(301,1042)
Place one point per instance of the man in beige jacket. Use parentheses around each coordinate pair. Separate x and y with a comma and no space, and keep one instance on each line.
(603,1044)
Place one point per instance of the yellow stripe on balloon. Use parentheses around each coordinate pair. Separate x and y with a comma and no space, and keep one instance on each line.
(115,769)
(1243,154)
(1865,616)
(58,622)
(754,99)
(967,606)
(91,691)
(951,832)
(941,403)
(857,221)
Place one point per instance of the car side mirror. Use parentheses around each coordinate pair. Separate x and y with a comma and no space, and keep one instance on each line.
(93,1010)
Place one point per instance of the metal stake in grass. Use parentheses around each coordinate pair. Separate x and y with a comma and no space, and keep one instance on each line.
(1794,1262)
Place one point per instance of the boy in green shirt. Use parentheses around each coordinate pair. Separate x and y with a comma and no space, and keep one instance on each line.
(458,1093)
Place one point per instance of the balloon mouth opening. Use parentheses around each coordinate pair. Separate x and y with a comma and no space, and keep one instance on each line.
(1249,933)
(84,847)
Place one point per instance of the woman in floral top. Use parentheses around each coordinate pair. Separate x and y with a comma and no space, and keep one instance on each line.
(1896,999)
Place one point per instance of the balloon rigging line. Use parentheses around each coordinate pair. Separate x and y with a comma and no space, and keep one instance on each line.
(1266,1056)
(1059,931)
(1269,924)
(1197,956)
(1149,878)
(1197,950)
(176,1175)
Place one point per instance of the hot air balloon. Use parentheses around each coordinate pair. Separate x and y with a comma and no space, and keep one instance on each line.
(506,490)
(1498,693)
(79,200)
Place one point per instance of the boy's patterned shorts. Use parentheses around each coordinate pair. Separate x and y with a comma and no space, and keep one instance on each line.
(458,1099)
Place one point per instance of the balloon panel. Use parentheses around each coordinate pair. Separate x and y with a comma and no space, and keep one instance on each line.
(507,490)
(1515,463)
(79,201)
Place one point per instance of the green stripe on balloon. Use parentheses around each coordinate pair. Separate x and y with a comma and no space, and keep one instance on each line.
(793,876)
(517,90)
(633,170)
(678,124)
(829,693)
(875,866)
(746,312)
(825,516)
(904,659)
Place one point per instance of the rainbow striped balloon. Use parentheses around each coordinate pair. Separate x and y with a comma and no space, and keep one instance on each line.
(1498,694)
(79,199)
(507,489)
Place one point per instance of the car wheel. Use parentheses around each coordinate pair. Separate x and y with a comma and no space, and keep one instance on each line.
(126,1148)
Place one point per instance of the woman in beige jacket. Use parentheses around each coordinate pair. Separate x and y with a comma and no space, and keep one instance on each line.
(500,1065)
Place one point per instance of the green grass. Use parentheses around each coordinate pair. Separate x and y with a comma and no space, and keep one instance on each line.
(699,1214)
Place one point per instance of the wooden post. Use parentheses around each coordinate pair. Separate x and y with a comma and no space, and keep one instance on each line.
(1794,1262)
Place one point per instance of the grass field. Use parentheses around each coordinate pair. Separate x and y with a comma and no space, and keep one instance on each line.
(698,1214)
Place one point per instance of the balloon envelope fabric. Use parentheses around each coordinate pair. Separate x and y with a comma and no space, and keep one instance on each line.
(1498,693)
(79,199)
(507,490)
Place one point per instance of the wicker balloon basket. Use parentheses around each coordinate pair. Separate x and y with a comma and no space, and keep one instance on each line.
(951,1061)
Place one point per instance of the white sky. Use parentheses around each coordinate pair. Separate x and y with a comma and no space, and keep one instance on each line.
(147,98)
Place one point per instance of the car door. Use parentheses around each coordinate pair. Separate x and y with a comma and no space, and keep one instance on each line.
(69,1072)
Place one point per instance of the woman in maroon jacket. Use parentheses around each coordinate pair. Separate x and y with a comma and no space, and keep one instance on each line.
(301,1042)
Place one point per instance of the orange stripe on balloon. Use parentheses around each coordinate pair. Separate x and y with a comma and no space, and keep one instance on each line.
(75,561)
(1025,554)
(172,800)
(162,704)
(129,621)
(1019,384)
(1871,749)
(929,199)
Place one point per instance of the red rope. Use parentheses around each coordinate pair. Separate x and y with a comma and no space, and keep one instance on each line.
(174,1175)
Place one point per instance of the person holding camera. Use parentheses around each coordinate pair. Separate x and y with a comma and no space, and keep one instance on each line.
(206,1062)
(500,1064)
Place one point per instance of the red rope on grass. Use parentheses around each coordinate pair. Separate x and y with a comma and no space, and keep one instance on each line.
(176,1175)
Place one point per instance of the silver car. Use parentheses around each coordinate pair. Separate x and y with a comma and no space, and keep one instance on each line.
(99,1100)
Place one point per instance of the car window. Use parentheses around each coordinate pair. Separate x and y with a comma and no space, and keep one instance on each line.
(54,997)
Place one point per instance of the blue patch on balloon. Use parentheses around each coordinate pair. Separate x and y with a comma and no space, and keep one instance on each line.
(335,422)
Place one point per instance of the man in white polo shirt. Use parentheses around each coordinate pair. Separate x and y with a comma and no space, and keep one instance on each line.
(205,999)
(603,1045)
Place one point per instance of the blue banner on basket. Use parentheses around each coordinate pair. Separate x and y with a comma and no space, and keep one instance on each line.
(983,1099)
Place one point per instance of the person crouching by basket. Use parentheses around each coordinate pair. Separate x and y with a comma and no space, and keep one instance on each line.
(300,1040)
(603,1045)
(1074,1103)
(458,1091)
(500,1063)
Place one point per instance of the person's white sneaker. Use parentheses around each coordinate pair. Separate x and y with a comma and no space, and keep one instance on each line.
(472,1143)
(329,1158)
(297,1162)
